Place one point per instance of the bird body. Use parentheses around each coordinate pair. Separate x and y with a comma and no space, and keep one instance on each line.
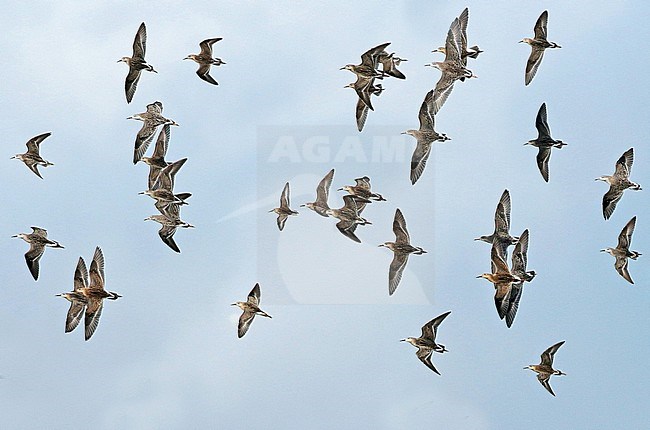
(538,45)
(426,343)
(37,240)
(32,158)
(545,369)
(618,183)
(425,136)
(205,60)
(89,294)
(544,141)
(401,248)
(250,308)
(136,63)
(622,251)
(284,211)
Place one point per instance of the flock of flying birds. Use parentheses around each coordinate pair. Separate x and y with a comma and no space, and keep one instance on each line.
(508,281)
(89,292)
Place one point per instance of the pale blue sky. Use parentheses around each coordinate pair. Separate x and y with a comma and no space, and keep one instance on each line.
(166,355)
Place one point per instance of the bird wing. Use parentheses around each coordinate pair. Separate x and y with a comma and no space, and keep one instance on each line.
(396,270)
(284,198)
(399,228)
(206,46)
(453,42)
(540,26)
(369,58)
(155,107)
(282,220)
(625,238)
(610,199)
(32,257)
(430,329)
(154,172)
(131,83)
(502,297)
(543,155)
(323,189)
(38,231)
(255,295)
(441,93)
(34,168)
(162,143)
(519,255)
(80,275)
(543,379)
(424,354)
(34,144)
(166,177)
(140,42)
(463,20)
(541,123)
(427,121)
(347,228)
(621,267)
(204,73)
(97,269)
(624,164)
(74,315)
(388,66)
(499,264)
(361,114)
(534,60)
(93,312)
(142,140)
(245,321)
(547,356)
(364,87)
(419,160)
(503,212)
(516,290)
(166,234)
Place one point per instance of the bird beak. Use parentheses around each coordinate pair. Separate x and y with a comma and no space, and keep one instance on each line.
(120,60)
(381,245)
(233,304)
(339,189)
(186,58)
(342,68)
(302,206)
(15,235)
(479,276)
(602,250)
(402,340)
(13,157)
